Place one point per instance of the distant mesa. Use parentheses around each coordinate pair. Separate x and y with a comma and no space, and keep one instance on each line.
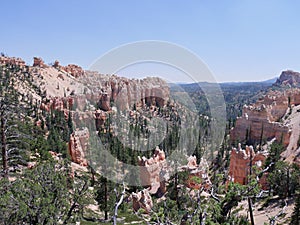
(289,78)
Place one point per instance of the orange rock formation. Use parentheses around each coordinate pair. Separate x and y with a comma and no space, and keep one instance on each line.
(263,120)
(12,61)
(239,167)
(39,62)
(142,200)
(75,70)
(78,145)
(151,171)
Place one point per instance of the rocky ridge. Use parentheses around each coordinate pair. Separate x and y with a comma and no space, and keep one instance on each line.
(78,93)
(273,117)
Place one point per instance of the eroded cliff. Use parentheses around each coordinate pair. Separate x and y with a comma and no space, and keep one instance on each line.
(275,116)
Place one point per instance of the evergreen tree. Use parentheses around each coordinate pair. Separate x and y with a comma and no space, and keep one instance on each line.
(105,196)
(12,114)
(296,213)
(39,197)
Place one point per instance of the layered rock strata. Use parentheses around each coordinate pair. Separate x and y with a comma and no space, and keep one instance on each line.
(264,120)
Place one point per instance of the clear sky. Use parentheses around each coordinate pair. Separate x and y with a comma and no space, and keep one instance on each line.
(238,40)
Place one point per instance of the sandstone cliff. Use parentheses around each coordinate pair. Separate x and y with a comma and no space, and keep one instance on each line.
(79,93)
(276,115)
(266,118)
(124,93)
(262,121)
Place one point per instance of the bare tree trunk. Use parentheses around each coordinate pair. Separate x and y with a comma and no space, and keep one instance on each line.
(75,202)
(288,183)
(4,148)
(249,198)
(250,210)
(176,190)
(105,200)
(118,204)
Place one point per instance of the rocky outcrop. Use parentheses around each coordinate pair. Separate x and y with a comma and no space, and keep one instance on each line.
(289,78)
(75,70)
(39,62)
(100,118)
(198,174)
(240,164)
(154,173)
(108,91)
(104,102)
(151,171)
(143,200)
(127,93)
(268,117)
(276,115)
(264,120)
(78,145)
(4,60)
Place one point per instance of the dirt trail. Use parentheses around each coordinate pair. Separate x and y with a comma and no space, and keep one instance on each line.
(262,216)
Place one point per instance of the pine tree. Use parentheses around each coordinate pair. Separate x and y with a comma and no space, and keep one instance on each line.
(12,113)
(296,213)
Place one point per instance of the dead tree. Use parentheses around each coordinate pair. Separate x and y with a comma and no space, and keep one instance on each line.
(117,204)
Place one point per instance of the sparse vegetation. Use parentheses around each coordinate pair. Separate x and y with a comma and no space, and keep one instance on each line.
(50,191)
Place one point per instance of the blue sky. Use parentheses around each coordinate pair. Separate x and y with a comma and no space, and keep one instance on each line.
(238,40)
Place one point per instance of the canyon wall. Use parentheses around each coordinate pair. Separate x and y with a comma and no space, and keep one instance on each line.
(268,117)
(126,93)
(276,116)
(265,119)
